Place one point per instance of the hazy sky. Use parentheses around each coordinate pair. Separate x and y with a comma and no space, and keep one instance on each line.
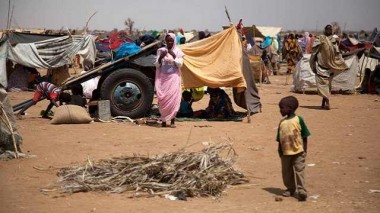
(192,14)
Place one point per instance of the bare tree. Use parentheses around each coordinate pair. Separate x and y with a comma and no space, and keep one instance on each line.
(129,23)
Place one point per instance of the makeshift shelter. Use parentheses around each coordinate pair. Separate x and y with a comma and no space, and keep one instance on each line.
(219,61)
(262,31)
(254,31)
(10,138)
(304,78)
(43,51)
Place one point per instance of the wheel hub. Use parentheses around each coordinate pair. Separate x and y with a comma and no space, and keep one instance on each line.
(127,95)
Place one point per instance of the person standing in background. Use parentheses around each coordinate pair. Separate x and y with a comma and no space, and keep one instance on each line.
(292,52)
(326,61)
(168,79)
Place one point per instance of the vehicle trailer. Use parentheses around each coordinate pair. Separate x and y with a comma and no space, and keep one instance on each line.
(128,83)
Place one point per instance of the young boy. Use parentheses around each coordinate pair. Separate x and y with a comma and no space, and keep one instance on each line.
(52,93)
(77,97)
(292,137)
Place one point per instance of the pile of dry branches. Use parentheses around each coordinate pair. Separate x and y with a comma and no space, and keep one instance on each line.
(203,173)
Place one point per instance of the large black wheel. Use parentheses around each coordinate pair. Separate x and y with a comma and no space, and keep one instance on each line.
(130,93)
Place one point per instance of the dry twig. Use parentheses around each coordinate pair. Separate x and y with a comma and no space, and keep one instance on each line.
(203,173)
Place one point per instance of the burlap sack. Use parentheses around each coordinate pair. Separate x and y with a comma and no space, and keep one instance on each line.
(71,114)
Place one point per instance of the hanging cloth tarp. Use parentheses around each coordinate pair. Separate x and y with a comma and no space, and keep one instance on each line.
(52,53)
(215,61)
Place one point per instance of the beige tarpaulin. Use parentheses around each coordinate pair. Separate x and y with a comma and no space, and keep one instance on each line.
(215,61)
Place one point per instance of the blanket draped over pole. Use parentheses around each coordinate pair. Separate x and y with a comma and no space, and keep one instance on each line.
(219,61)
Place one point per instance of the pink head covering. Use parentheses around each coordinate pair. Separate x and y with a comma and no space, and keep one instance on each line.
(175,49)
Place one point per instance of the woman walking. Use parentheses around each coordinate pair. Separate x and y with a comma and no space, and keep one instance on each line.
(168,79)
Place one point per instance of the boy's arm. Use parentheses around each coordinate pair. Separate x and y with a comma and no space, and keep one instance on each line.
(46,113)
(304,133)
(305,144)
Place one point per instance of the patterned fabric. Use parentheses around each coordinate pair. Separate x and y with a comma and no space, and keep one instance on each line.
(292,50)
(46,88)
(290,134)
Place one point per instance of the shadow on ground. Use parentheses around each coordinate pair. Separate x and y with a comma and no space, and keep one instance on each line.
(275,191)
(312,107)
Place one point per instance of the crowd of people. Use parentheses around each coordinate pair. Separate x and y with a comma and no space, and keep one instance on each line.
(326,61)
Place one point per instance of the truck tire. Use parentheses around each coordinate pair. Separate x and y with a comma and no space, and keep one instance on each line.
(130,93)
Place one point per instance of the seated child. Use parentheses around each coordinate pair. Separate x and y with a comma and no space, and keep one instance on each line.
(185,109)
(219,106)
(77,97)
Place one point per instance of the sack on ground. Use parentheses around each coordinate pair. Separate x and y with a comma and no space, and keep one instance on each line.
(71,114)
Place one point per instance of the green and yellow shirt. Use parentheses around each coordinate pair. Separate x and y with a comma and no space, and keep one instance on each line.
(291,131)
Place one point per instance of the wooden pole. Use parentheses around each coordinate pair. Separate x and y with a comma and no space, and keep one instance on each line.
(86,27)
(228,15)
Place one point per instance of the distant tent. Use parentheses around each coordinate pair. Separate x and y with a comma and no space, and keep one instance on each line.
(263,31)
(259,32)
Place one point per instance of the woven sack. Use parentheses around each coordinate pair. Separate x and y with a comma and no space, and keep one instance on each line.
(71,114)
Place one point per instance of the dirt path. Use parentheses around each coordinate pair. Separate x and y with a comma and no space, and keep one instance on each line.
(343,159)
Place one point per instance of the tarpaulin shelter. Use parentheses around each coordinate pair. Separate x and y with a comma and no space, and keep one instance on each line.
(10,138)
(262,31)
(259,32)
(304,78)
(43,51)
(219,61)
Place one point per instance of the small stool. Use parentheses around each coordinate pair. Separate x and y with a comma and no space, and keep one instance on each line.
(100,109)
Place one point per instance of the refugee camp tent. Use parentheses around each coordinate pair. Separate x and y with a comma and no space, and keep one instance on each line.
(43,51)
(10,138)
(367,62)
(259,32)
(219,61)
(262,31)
(304,78)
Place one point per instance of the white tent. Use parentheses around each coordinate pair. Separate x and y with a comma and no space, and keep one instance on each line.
(269,31)
(262,31)
(304,78)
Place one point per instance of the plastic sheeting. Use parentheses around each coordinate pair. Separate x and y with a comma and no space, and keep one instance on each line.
(52,53)
(6,141)
(304,77)
(48,54)
(3,66)
(215,61)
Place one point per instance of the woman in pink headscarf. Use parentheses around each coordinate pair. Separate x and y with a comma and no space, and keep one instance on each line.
(168,79)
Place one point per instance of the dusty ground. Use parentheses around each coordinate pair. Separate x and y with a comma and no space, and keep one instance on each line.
(343,158)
